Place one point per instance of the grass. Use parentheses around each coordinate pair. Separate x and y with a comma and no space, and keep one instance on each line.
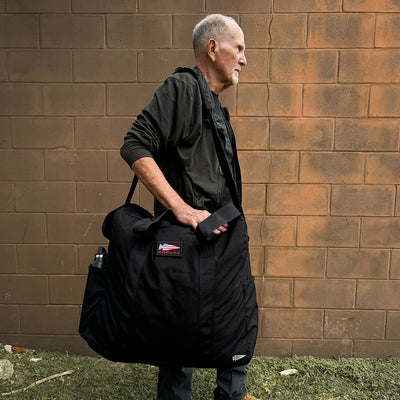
(97,378)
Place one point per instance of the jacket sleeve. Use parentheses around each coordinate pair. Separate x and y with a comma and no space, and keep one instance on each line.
(163,124)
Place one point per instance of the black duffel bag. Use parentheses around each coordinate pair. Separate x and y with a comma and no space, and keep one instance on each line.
(171,295)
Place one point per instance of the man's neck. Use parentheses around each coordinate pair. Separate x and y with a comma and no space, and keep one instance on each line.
(210,77)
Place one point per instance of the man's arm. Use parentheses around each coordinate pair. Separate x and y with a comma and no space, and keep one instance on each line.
(152,177)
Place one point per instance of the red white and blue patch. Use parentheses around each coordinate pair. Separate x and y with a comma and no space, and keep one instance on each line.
(169,248)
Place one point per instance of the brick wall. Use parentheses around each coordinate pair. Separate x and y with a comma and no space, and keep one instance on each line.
(317,121)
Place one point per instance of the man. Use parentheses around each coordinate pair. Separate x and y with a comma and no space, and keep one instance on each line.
(170,147)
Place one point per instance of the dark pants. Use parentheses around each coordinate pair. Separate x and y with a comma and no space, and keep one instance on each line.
(176,383)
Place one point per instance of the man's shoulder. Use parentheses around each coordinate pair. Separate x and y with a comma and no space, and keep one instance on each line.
(183,75)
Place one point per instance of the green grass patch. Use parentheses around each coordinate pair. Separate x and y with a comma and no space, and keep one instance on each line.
(97,378)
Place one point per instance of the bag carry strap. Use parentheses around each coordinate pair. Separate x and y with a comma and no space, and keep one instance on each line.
(204,229)
(132,189)
(223,215)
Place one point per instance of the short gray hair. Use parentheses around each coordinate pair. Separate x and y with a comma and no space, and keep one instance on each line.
(213,26)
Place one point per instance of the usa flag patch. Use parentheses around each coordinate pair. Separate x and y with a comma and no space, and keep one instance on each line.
(169,249)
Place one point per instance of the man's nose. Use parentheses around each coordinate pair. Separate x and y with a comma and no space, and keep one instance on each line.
(243,61)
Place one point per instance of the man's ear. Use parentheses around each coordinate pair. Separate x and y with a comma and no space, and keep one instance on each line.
(212,48)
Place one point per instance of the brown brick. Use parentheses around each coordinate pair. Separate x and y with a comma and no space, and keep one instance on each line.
(35,319)
(257,68)
(9,317)
(74,99)
(44,197)
(303,66)
(370,6)
(20,99)
(382,168)
(72,344)
(75,228)
(362,200)
(331,168)
(275,293)
(5,133)
(85,257)
(378,295)
(387,30)
(253,100)
(272,100)
(366,66)
(357,263)
(139,31)
(22,228)
(263,167)
(117,169)
(101,133)
(171,7)
(7,200)
(46,259)
(256,260)
(3,66)
(182,30)
(40,66)
(38,6)
(372,134)
(42,132)
(295,262)
(272,347)
(307,5)
(21,165)
(104,66)
(376,348)
(29,341)
(251,133)
(71,31)
(395,265)
(8,255)
(237,6)
(100,197)
(393,326)
(297,199)
(328,231)
(272,231)
(106,7)
(292,323)
(23,289)
(323,348)
(129,99)
(341,30)
(81,165)
(385,101)
(318,293)
(19,31)
(354,324)
(283,31)
(301,134)
(254,199)
(381,232)
(156,65)
(335,101)
(66,289)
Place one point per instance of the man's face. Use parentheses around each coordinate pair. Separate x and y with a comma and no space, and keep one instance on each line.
(231,58)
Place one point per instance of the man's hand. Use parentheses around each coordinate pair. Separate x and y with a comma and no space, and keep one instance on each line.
(150,174)
(190,216)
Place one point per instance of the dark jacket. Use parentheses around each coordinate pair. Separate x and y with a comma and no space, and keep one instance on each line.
(173,130)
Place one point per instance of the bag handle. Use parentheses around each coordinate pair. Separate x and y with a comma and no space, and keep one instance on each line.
(203,230)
